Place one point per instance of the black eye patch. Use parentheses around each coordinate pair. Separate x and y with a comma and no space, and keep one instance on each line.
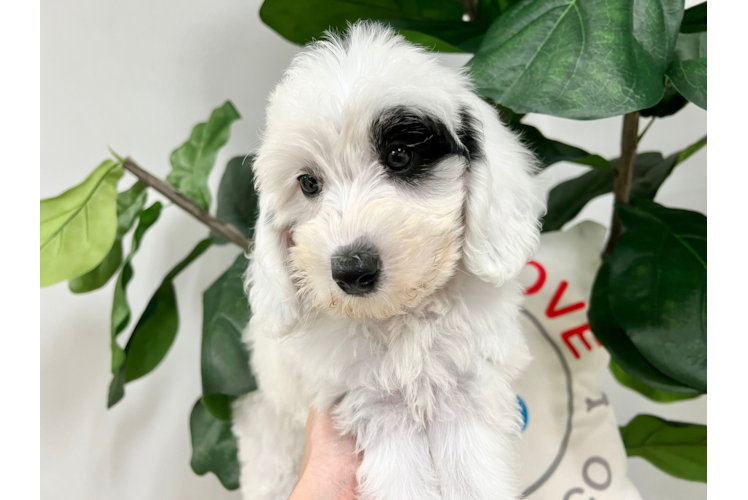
(409,142)
(470,135)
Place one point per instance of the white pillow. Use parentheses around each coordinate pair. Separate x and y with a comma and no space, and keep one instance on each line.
(571,448)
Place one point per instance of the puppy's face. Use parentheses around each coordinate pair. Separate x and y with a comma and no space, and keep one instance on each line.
(378,227)
(362,175)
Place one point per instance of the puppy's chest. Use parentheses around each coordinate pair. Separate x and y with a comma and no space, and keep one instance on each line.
(418,361)
(418,369)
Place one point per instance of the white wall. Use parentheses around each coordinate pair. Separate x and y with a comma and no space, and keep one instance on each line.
(137,75)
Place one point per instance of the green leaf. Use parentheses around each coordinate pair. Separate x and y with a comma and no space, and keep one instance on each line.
(508,116)
(219,405)
(452,35)
(224,359)
(645,390)
(693,148)
(120,306)
(78,227)
(437,23)
(621,349)
(676,448)
(694,19)
(658,291)
(116,388)
(157,327)
(549,151)
(155,331)
(129,205)
(214,447)
(237,199)
(567,199)
(429,42)
(193,161)
(687,70)
(99,275)
(649,177)
(581,59)
(671,103)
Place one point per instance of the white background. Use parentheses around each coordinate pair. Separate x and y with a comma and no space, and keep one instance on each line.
(137,75)
(727,164)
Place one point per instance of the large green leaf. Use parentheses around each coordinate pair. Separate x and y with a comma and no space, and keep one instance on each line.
(694,19)
(687,70)
(621,349)
(671,103)
(155,331)
(580,59)
(676,448)
(237,199)
(129,205)
(79,226)
(549,151)
(214,447)
(645,390)
(658,289)
(193,161)
(120,306)
(224,359)
(433,23)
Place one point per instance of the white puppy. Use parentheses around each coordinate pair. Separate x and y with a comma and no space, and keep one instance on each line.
(395,213)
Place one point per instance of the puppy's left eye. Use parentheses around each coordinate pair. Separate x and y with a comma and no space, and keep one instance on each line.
(309,185)
(399,158)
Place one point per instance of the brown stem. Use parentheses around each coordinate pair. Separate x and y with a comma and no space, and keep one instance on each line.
(471,9)
(226,230)
(622,183)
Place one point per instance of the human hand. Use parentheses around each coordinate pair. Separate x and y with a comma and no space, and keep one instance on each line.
(328,469)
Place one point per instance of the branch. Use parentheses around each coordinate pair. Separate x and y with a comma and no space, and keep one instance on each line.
(226,230)
(639,139)
(471,10)
(622,184)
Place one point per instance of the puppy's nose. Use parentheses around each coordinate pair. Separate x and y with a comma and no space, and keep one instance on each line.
(356,268)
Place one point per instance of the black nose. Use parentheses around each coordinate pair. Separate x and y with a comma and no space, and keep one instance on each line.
(355,268)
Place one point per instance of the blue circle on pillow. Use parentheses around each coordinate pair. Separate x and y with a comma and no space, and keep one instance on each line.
(523,412)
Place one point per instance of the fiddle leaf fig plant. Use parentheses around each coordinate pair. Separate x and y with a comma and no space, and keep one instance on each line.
(578,59)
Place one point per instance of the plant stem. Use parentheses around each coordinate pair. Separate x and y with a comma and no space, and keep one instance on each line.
(471,10)
(639,139)
(622,183)
(226,230)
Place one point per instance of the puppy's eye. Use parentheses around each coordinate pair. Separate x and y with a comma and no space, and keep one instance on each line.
(309,185)
(399,158)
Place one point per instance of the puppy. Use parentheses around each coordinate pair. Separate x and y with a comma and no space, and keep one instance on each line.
(395,212)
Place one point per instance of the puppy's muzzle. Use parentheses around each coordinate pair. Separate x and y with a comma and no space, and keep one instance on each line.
(356,268)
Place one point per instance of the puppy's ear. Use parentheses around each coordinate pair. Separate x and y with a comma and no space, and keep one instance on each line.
(504,200)
(272,296)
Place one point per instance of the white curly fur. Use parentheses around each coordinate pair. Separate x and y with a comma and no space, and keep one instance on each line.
(421,371)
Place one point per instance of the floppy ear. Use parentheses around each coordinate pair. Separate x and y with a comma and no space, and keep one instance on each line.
(504,200)
(272,296)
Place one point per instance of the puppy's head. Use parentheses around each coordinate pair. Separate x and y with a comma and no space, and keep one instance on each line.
(379,172)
